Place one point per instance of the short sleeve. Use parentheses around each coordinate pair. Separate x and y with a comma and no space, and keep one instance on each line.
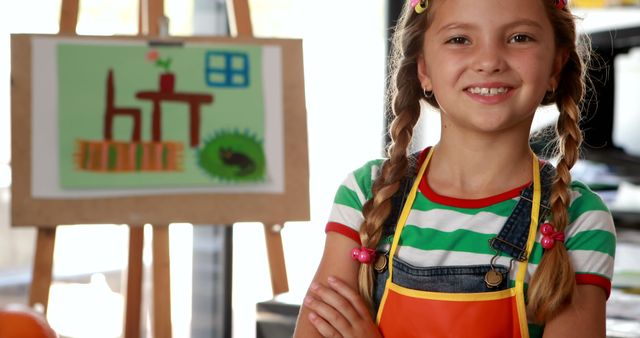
(346,212)
(591,238)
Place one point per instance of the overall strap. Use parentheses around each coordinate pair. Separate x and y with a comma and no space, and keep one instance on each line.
(512,239)
(405,210)
(398,199)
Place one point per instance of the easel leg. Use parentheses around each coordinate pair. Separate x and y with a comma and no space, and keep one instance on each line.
(134,282)
(239,14)
(69,16)
(161,282)
(42,267)
(275,252)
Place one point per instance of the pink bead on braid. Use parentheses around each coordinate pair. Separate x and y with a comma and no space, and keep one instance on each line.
(550,236)
(363,255)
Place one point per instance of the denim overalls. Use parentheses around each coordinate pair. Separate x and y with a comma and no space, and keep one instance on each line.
(512,240)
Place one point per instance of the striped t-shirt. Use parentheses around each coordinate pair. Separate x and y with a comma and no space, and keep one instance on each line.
(444,231)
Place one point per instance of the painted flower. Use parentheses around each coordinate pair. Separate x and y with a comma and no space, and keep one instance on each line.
(154,56)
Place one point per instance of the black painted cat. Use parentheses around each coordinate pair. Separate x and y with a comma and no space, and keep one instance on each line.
(244,163)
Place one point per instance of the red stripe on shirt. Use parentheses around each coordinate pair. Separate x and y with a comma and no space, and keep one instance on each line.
(343,230)
(462,202)
(590,279)
(468,203)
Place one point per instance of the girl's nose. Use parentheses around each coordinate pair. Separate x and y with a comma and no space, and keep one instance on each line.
(489,59)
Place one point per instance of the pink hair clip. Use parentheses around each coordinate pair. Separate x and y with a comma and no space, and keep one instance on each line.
(420,5)
(363,255)
(560,4)
(550,236)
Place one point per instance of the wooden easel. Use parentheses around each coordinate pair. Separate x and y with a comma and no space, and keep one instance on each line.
(151,12)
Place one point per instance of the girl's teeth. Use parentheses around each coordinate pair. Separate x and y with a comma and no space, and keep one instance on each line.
(487,91)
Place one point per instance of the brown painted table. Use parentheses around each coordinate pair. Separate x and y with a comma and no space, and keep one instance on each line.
(194,100)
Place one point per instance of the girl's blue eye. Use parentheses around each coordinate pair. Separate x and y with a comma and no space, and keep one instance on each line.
(458,40)
(520,38)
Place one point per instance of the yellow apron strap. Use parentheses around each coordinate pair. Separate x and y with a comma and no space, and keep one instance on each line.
(522,266)
(400,225)
(406,209)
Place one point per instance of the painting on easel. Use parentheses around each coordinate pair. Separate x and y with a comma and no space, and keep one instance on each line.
(128,129)
(136,115)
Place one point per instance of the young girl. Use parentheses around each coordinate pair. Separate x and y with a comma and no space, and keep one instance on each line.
(473,237)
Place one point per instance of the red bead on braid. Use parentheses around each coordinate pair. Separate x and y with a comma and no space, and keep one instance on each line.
(560,4)
(550,236)
(363,255)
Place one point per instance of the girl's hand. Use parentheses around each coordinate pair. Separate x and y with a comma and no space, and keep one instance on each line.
(338,311)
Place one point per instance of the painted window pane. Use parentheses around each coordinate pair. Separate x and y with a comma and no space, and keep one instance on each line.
(227,69)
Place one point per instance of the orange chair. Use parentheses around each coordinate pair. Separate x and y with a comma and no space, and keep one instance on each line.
(112,111)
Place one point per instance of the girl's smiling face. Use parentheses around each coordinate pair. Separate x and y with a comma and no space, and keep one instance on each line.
(489,62)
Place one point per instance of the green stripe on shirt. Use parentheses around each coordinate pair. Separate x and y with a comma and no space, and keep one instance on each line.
(459,240)
(587,201)
(347,197)
(364,179)
(594,240)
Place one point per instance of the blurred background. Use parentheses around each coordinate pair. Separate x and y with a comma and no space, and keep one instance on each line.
(345,46)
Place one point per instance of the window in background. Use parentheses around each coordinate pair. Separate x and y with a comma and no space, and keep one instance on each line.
(344,54)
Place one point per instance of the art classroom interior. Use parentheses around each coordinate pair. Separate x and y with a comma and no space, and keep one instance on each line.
(220,280)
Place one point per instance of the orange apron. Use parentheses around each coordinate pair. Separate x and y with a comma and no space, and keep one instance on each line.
(405,313)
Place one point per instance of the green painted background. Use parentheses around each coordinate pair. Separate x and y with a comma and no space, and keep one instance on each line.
(82,75)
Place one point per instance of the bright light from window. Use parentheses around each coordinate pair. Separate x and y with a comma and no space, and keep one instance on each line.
(96,310)
(5,176)
(113,17)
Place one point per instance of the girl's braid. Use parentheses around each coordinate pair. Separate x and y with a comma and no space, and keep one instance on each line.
(553,284)
(406,94)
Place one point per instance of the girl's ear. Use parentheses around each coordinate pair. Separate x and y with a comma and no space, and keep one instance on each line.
(423,74)
(558,64)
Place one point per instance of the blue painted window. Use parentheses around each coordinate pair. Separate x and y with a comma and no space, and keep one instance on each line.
(227,69)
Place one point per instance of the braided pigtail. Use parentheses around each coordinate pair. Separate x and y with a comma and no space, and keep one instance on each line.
(553,284)
(405,93)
